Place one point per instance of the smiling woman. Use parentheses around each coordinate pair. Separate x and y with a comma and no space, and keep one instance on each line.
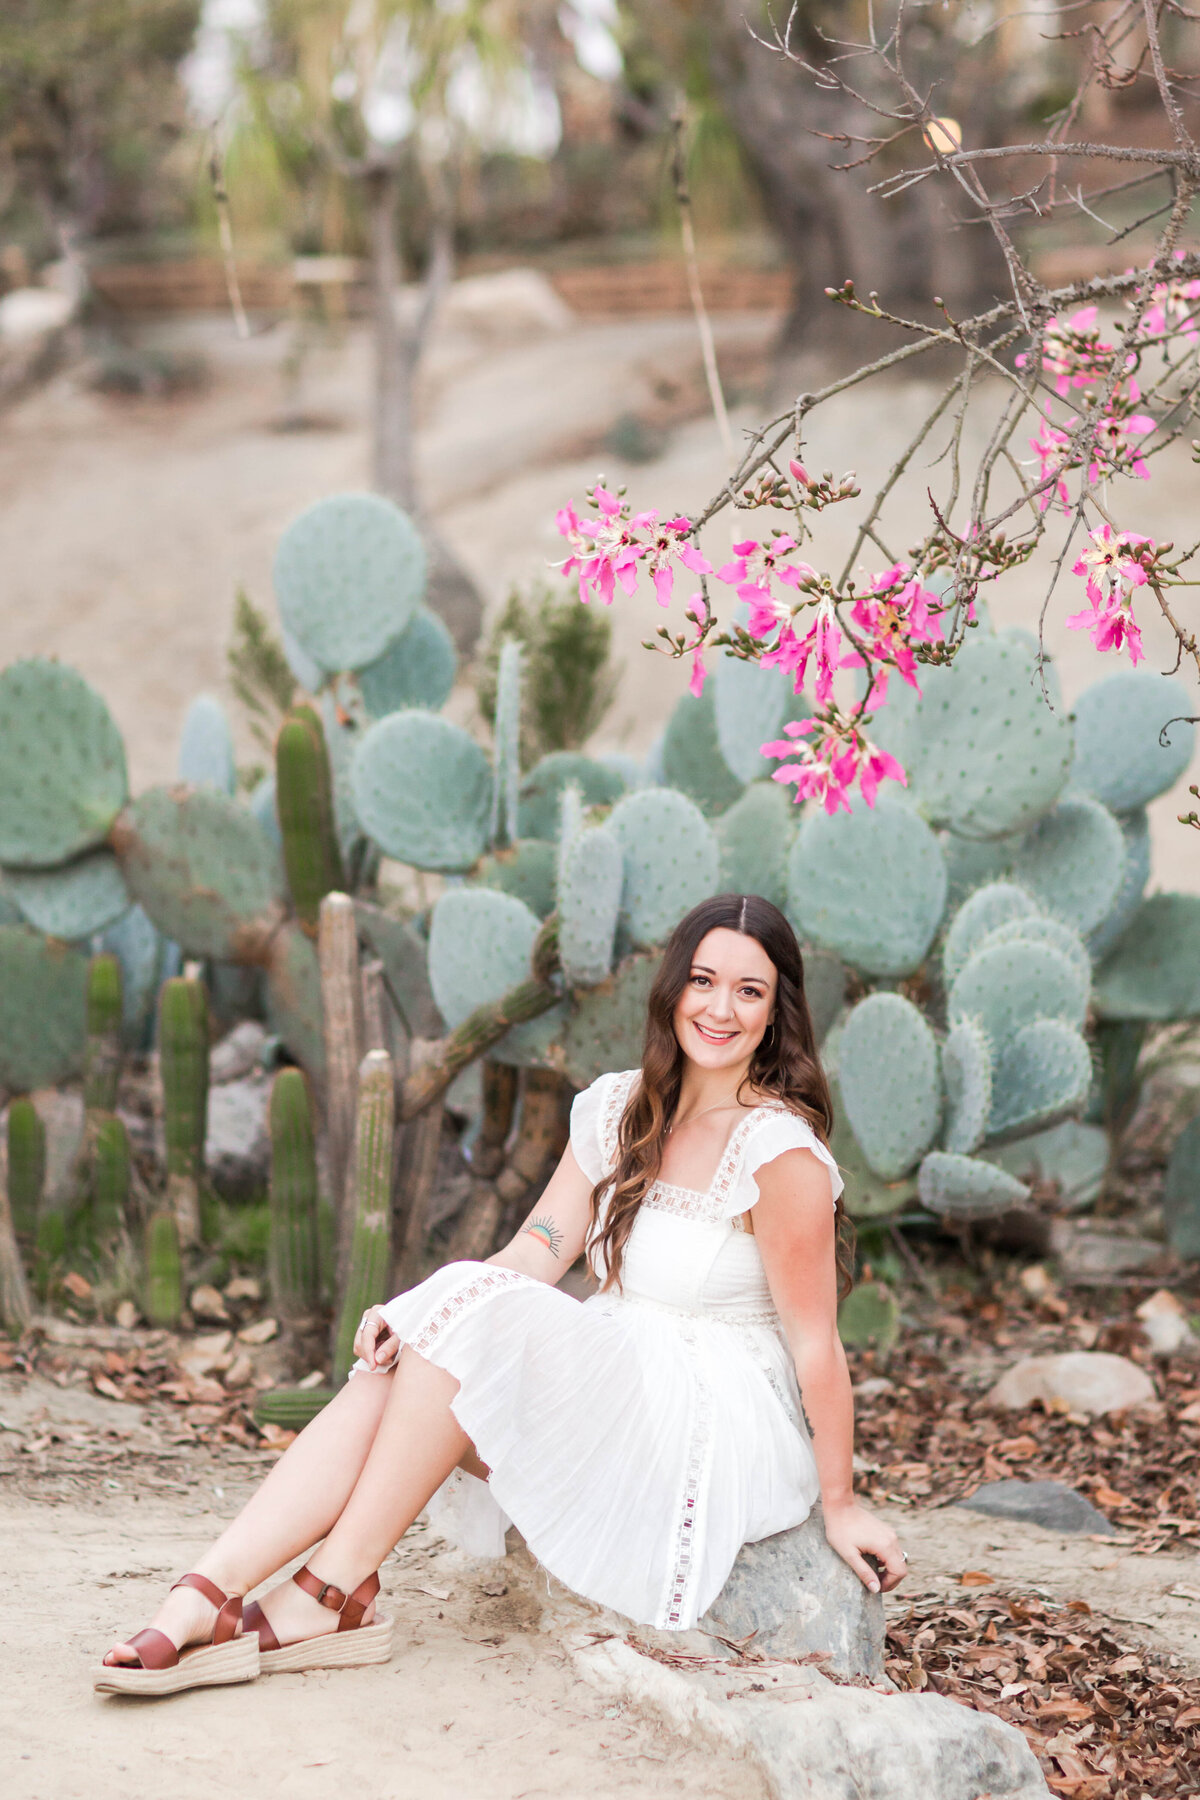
(638,1438)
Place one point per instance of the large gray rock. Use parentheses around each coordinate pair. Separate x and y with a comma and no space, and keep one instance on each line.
(1049,1503)
(813,1740)
(797,1596)
(237,1149)
(1085,1381)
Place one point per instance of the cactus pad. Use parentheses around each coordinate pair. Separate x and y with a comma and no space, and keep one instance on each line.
(754,838)
(1007,986)
(294,998)
(541,790)
(607,1024)
(979,915)
(349,574)
(62,765)
(1072,861)
(869,1316)
(966,1187)
(972,862)
(1118,757)
(591,879)
(417,670)
(1181,1193)
(43,1010)
(206,756)
(967,1078)
(402,951)
(1154,971)
(1072,1155)
(479,947)
(670,858)
(692,759)
(983,752)
(506,734)
(138,947)
(1135,873)
(866,1195)
(423,790)
(1037,930)
(1042,1075)
(750,704)
(888,1074)
(75,901)
(527,870)
(834,891)
(824,988)
(203,870)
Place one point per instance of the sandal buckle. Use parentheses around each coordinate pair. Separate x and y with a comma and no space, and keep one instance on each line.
(328,1587)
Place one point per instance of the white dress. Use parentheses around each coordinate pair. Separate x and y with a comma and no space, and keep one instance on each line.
(640,1437)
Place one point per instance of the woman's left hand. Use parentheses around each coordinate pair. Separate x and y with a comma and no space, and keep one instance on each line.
(850,1530)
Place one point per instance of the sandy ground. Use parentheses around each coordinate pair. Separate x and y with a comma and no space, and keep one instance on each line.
(127,527)
(480,1698)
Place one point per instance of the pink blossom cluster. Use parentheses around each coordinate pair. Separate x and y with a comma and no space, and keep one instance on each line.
(826,768)
(1113,565)
(615,545)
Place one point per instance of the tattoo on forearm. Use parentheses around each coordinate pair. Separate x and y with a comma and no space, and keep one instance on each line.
(546,1232)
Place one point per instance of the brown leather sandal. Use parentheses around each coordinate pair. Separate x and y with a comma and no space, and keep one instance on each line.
(352,1645)
(163,1669)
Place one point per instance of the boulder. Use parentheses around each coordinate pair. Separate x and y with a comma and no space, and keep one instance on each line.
(237,1149)
(1085,1381)
(239,1052)
(796,1596)
(813,1740)
(1166,1326)
(508,305)
(1091,1258)
(1049,1503)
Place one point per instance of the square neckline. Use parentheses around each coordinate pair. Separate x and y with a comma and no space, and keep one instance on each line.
(675,1187)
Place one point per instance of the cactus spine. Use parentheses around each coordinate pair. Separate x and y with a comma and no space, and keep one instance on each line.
(304,803)
(164,1270)
(370,1241)
(183,1065)
(26,1166)
(293,1196)
(102,1058)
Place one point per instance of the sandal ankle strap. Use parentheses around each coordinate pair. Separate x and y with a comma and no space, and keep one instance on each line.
(351,1607)
(229,1606)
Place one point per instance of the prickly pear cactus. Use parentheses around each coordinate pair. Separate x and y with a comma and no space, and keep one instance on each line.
(506,784)
(1072,861)
(834,897)
(984,754)
(1042,1075)
(304,803)
(525,871)
(1033,929)
(981,913)
(402,950)
(163,1304)
(1118,756)
(26,1144)
(754,838)
(1073,1155)
(1181,1193)
(867,1196)
(967,1079)
(480,944)
(607,1024)
(349,574)
(203,870)
(1153,972)
(294,998)
(670,858)
(62,765)
(825,978)
(141,951)
(75,901)
(1135,873)
(43,1010)
(102,1059)
(183,1068)
(972,863)
(206,757)
(423,790)
(888,1073)
(691,756)
(869,1316)
(750,704)
(965,1187)
(591,877)
(1006,986)
(371,1196)
(418,669)
(541,791)
(292,1255)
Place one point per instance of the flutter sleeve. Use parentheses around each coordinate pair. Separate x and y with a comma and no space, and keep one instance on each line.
(780,1132)
(587,1114)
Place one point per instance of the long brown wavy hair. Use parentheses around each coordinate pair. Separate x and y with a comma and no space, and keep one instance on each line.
(785,1066)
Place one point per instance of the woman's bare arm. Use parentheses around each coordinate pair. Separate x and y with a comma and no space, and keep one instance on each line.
(553,1234)
(794,1230)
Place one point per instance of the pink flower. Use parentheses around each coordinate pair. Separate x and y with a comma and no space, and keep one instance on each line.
(1051,447)
(798,472)
(1111,626)
(670,541)
(1073,352)
(1115,450)
(1113,564)
(753,568)
(822,641)
(892,618)
(1173,307)
(826,768)
(608,549)
(699,672)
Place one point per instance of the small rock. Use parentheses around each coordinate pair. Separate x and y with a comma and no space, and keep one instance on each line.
(242,1287)
(239,1373)
(206,1353)
(127,1315)
(78,1286)
(237,1150)
(239,1053)
(1165,1323)
(797,1596)
(872,1386)
(1087,1381)
(261,1332)
(1094,1257)
(1049,1503)
(206,1303)
(313,1379)
(1037,1283)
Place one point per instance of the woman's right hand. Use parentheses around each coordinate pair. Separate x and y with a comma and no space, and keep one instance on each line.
(375,1341)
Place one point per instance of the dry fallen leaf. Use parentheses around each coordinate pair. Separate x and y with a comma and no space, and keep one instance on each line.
(975,1578)
(127,1315)
(103,1385)
(276,1438)
(78,1285)
(432,1592)
(261,1332)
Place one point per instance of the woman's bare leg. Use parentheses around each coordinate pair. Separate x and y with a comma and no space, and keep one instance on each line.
(294,1507)
(417,1444)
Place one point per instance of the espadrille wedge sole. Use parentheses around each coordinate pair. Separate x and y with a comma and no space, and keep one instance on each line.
(165,1670)
(351,1646)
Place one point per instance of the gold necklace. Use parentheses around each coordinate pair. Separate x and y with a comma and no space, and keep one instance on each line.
(715,1107)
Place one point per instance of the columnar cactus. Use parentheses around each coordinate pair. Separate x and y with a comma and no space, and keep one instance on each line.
(183,1070)
(341,1008)
(102,1058)
(26,1166)
(293,1197)
(163,1301)
(109,1182)
(304,803)
(506,786)
(371,1238)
